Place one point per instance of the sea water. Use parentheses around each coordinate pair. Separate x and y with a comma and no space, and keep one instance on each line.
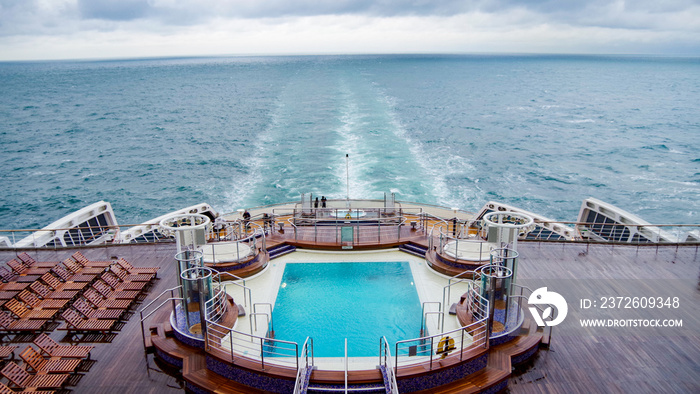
(538,132)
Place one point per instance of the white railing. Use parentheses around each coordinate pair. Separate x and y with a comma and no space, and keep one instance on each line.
(425,349)
(172,299)
(359,231)
(245,242)
(234,280)
(654,234)
(386,362)
(303,372)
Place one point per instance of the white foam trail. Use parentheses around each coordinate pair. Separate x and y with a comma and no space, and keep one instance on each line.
(241,189)
(432,163)
(350,143)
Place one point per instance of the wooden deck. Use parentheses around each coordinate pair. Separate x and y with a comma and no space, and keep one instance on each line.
(579,361)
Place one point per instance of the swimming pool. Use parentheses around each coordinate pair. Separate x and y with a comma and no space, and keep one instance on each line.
(358,301)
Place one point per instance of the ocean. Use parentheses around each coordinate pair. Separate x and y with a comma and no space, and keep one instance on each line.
(538,132)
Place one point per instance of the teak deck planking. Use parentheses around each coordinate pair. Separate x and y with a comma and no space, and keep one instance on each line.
(576,363)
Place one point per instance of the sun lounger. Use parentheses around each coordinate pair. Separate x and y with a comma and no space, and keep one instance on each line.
(99,301)
(34,302)
(22,312)
(77,323)
(83,306)
(24,270)
(55,284)
(44,292)
(78,256)
(39,364)
(7,351)
(28,260)
(117,284)
(10,324)
(77,269)
(54,349)
(103,288)
(20,378)
(126,276)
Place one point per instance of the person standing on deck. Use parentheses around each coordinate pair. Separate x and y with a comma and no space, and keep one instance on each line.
(323,201)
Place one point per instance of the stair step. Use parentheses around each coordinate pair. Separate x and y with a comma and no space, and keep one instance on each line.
(280,250)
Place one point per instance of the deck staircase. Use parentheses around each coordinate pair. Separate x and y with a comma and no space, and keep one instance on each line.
(280,250)
(414,249)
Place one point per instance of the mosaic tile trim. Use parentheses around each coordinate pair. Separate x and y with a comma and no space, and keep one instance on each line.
(524,357)
(191,388)
(442,376)
(249,378)
(497,388)
(175,362)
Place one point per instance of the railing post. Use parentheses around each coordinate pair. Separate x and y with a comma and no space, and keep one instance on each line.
(230,341)
(262,353)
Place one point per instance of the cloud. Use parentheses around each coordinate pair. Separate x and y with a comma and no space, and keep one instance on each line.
(120,10)
(113,28)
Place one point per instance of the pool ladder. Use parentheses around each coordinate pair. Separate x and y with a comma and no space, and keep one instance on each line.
(424,317)
(270,333)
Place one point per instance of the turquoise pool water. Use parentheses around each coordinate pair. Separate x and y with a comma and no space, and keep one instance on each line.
(358,301)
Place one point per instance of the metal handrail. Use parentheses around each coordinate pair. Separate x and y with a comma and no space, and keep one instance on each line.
(423,313)
(301,378)
(448,288)
(260,339)
(385,361)
(479,327)
(211,304)
(245,288)
(143,309)
(333,225)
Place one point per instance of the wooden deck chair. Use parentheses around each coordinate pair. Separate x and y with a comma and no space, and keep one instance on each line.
(76,323)
(14,286)
(137,270)
(10,324)
(22,312)
(44,292)
(8,295)
(103,288)
(34,302)
(124,275)
(117,284)
(88,269)
(73,270)
(39,364)
(77,269)
(28,260)
(54,349)
(99,301)
(7,351)
(24,270)
(20,378)
(80,258)
(55,284)
(6,275)
(6,390)
(83,306)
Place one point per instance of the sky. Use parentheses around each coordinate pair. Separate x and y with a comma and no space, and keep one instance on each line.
(103,29)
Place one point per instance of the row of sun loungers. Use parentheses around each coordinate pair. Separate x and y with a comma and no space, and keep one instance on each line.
(89,295)
(46,368)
